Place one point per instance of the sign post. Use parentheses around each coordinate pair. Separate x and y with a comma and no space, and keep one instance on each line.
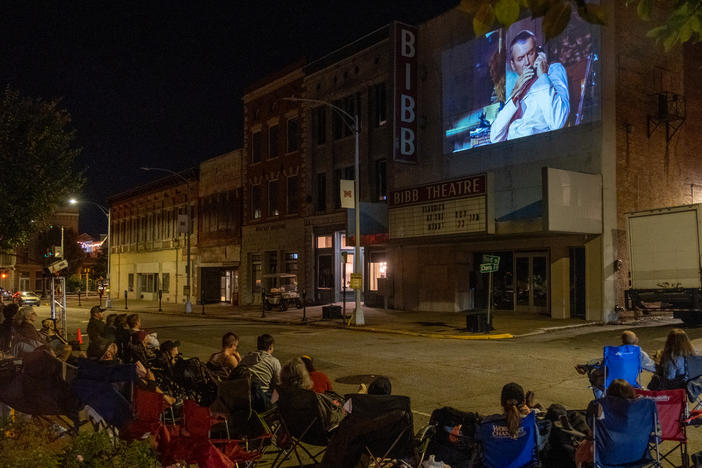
(490,264)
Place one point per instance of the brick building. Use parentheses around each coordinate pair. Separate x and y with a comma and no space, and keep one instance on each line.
(149,239)
(219,228)
(273,178)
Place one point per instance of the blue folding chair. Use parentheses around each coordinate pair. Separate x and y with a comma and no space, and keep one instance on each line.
(501,450)
(622,435)
(622,362)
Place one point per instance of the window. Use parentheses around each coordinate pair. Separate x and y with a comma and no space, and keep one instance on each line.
(378,98)
(337,188)
(346,269)
(324,242)
(381,183)
(376,270)
(321,191)
(341,126)
(256,202)
(274,141)
(165,282)
(292,135)
(148,282)
(272,262)
(130,281)
(292,195)
(256,147)
(256,265)
(291,262)
(319,120)
(273,190)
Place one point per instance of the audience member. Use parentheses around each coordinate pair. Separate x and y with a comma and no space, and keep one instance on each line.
(96,331)
(673,369)
(319,379)
(226,360)
(264,368)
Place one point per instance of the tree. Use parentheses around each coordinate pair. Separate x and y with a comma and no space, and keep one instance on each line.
(680,20)
(37,158)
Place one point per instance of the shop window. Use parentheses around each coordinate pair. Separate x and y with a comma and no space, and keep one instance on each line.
(255,201)
(256,273)
(274,141)
(376,270)
(337,188)
(273,190)
(292,135)
(346,269)
(321,191)
(256,147)
(130,282)
(165,282)
(381,182)
(319,117)
(324,242)
(292,195)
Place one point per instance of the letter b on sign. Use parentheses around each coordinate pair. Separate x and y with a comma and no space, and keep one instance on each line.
(408,49)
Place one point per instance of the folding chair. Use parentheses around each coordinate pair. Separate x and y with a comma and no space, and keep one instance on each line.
(234,401)
(693,368)
(672,414)
(621,437)
(147,411)
(501,450)
(622,362)
(302,420)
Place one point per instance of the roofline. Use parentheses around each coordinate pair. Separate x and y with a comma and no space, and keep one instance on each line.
(191,174)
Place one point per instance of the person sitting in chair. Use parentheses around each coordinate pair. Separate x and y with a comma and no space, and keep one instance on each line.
(225,361)
(264,369)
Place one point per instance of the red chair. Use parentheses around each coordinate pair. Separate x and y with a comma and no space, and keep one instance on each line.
(672,416)
(147,408)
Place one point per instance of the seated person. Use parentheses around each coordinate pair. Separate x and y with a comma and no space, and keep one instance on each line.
(673,371)
(264,369)
(133,323)
(223,362)
(96,331)
(169,353)
(6,328)
(136,349)
(27,337)
(319,379)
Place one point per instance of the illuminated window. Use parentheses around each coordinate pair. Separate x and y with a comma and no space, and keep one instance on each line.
(324,242)
(346,270)
(291,262)
(273,190)
(376,271)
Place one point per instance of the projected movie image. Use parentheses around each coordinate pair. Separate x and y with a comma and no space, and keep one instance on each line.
(511,84)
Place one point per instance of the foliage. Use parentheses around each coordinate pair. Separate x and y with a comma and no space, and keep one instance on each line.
(680,20)
(37,156)
(24,445)
(74,283)
(101,263)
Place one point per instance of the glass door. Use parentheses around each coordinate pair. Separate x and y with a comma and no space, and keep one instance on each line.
(531,282)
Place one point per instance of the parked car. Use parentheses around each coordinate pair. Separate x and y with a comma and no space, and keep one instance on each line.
(27,298)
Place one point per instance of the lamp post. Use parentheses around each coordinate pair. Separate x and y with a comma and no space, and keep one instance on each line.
(108,213)
(188,304)
(351,122)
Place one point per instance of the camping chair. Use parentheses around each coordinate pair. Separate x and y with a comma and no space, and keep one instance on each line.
(693,368)
(501,450)
(672,413)
(622,362)
(454,438)
(234,402)
(621,437)
(304,418)
(147,412)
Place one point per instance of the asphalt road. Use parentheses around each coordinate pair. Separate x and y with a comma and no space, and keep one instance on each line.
(467,375)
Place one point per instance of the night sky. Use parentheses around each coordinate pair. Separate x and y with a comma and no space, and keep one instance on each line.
(160,83)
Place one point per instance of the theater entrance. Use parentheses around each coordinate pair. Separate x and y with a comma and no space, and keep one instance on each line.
(531,282)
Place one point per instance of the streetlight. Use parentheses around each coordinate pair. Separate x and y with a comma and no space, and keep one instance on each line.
(351,122)
(108,213)
(188,304)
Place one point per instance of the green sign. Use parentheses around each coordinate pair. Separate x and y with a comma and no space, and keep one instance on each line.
(491,259)
(488,268)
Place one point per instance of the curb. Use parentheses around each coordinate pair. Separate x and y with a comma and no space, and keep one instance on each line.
(502,336)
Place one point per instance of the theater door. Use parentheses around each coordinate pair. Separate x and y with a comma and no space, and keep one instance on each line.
(531,282)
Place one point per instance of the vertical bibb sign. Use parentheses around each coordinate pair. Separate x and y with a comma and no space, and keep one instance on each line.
(405,95)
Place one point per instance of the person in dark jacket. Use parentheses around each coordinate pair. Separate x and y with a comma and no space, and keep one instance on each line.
(96,331)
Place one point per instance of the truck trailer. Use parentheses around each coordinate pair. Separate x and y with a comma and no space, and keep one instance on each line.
(664,261)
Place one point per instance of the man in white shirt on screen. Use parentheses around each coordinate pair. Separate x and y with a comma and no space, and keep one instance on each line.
(539,102)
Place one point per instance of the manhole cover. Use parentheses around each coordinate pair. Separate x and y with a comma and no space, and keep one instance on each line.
(357,379)
(432,324)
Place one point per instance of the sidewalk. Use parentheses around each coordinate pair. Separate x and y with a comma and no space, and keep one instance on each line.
(445,325)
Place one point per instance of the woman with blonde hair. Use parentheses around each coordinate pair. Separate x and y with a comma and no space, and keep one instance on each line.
(672,365)
(294,374)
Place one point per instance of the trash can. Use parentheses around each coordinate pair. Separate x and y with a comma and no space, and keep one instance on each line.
(476,321)
(331,312)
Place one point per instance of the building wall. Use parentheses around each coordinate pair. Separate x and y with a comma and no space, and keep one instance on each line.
(274,223)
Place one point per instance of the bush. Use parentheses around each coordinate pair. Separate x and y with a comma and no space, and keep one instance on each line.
(97,450)
(23,445)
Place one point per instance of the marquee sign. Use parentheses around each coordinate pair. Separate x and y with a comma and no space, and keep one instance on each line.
(444,208)
(405,98)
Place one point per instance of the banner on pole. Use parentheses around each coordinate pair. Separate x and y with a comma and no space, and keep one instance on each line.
(346,189)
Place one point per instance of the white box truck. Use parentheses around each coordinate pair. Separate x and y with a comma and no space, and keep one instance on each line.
(664,267)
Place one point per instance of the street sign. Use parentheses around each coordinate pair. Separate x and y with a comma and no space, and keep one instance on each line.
(356,280)
(57,266)
(492,259)
(488,268)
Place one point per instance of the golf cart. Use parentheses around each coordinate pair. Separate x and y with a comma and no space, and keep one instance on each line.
(282,292)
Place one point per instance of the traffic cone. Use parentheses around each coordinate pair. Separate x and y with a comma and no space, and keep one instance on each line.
(79,337)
